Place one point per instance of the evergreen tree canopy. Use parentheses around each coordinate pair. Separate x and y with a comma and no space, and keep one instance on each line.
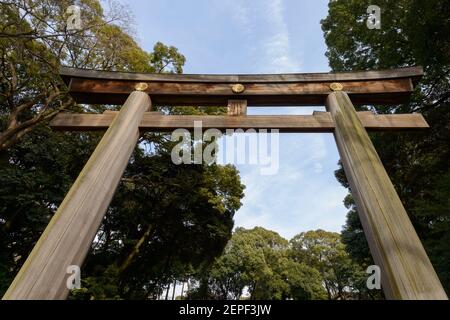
(413,32)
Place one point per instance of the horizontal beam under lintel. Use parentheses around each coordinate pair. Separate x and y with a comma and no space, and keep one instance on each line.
(317,122)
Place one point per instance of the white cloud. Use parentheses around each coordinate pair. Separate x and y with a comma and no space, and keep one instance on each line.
(277,46)
(272,51)
(318,167)
(304,195)
(240,15)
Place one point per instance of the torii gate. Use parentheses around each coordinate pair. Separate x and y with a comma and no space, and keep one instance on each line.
(406,271)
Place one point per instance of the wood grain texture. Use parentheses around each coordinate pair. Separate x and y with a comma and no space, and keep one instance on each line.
(257,94)
(237,107)
(406,270)
(318,122)
(409,72)
(69,235)
(368,87)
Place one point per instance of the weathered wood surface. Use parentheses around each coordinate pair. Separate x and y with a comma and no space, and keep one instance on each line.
(368,87)
(406,271)
(318,122)
(69,235)
(409,72)
(237,107)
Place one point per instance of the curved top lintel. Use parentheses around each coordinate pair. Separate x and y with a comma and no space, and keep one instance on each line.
(410,72)
(295,89)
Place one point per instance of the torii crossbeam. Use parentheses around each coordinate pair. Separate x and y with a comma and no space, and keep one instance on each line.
(406,269)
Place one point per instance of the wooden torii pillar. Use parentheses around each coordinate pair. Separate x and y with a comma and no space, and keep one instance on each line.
(406,270)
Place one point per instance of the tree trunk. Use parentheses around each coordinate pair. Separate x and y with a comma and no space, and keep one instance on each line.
(173,291)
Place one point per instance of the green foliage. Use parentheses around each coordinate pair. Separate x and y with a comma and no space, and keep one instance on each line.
(174,223)
(35,42)
(163,57)
(165,222)
(258,261)
(325,252)
(261,264)
(34,176)
(413,32)
(353,235)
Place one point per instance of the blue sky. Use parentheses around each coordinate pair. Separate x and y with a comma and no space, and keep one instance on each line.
(260,36)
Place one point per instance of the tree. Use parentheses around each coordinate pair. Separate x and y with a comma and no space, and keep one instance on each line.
(417,162)
(353,235)
(35,41)
(258,261)
(34,175)
(324,251)
(165,221)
